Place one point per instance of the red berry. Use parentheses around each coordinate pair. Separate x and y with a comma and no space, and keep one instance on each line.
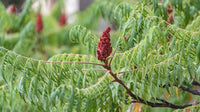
(39,23)
(12,10)
(62,19)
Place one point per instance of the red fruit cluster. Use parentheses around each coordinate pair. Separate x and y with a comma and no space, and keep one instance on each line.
(39,23)
(170,19)
(169,9)
(11,9)
(62,19)
(104,48)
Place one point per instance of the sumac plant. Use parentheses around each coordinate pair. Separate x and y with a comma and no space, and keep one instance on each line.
(146,63)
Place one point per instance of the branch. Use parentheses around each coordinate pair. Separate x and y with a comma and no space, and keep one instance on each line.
(152,104)
(139,99)
(173,105)
(184,88)
(104,70)
(164,104)
(196,83)
(194,92)
(37,60)
(83,63)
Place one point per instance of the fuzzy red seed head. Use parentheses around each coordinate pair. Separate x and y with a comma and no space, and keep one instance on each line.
(104,48)
(39,23)
(170,19)
(169,10)
(62,19)
(12,9)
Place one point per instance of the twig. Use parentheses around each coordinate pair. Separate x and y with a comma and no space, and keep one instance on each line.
(139,99)
(173,105)
(107,70)
(175,26)
(84,63)
(134,101)
(95,70)
(36,60)
(164,104)
(194,92)
(196,83)
(184,88)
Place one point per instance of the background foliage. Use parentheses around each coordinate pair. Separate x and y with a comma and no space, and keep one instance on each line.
(57,73)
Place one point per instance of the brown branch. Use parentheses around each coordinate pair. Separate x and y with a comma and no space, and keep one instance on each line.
(164,104)
(173,105)
(184,88)
(194,92)
(196,83)
(139,99)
